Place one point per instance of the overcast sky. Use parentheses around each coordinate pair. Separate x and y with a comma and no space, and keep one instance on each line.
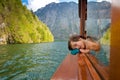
(36,4)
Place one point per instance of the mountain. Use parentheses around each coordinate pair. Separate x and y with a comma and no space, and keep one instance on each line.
(19,25)
(62,18)
(99,10)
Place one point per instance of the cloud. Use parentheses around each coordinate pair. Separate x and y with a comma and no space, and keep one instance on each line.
(92,0)
(104,0)
(36,4)
(69,1)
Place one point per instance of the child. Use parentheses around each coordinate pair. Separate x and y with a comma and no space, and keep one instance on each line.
(79,43)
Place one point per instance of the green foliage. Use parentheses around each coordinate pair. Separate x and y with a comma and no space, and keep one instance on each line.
(22,24)
(106,38)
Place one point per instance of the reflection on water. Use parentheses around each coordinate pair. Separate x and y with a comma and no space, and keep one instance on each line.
(33,61)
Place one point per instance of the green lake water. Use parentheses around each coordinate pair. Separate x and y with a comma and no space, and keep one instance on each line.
(36,61)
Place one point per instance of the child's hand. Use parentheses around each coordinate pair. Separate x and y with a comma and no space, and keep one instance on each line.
(84,50)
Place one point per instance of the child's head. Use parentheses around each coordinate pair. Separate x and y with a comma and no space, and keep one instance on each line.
(75,41)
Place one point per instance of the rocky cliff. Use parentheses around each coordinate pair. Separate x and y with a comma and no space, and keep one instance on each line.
(19,25)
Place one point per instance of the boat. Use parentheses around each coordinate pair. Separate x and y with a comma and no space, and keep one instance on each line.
(86,66)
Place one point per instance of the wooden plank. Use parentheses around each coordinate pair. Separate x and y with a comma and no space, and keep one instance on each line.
(68,70)
(84,73)
(101,69)
(80,67)
(92,71)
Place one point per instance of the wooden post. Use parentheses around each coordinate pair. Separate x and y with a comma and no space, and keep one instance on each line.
(82,15)
(115,41)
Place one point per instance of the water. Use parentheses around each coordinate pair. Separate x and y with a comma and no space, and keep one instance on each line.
(33,61)
(103,55)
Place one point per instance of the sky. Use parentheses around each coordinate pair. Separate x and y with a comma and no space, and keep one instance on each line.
(36,4)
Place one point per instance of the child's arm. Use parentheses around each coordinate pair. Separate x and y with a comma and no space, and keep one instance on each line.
(84,50)
(92,45)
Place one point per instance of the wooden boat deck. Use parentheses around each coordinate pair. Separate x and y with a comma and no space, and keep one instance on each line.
(81,67)
(68,70)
